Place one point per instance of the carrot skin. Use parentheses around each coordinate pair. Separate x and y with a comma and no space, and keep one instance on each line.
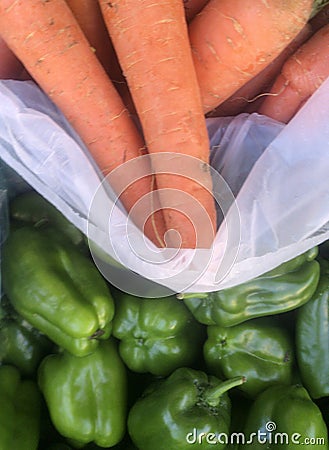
(234,41)
(155,55)
(250,96)
(58,56)
(301,75)
(271,72)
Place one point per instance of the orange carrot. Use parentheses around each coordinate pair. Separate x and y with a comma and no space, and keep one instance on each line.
(301,75)
(233,41)
(46,37)
(10,66)
(151,41)
(315,23)
(249,97)
(252,94)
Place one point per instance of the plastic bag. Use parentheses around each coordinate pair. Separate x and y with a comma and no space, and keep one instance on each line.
(273,179)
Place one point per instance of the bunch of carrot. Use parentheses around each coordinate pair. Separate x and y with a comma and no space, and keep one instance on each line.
(167,64)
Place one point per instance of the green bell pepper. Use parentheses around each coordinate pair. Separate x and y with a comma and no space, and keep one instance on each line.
(284,288)
(31,208)
(156,335)
(86,397)
(259,349)
(186,408)
(57,289)
(286,418)
(20,402)
(21,345)
(312,338)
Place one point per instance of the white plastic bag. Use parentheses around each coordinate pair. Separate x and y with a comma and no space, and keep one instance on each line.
(273,179)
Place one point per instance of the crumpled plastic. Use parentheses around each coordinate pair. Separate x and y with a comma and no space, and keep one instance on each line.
(274,181)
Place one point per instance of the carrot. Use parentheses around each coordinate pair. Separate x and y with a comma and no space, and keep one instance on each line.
(249,97)
(315,23)
(10,66)
(233,41)
(155,56)
(300,76)
(58,56)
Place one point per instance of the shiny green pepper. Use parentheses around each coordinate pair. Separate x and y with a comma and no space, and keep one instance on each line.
(57,288)
(86,397)
(184,409)
(20,402)
(21,345)
(286,418)
(312,338)
(156,335)
(284,288)
(31,208)
(258,349)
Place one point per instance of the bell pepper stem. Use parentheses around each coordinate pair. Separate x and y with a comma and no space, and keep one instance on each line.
(212,395)
(183,296)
